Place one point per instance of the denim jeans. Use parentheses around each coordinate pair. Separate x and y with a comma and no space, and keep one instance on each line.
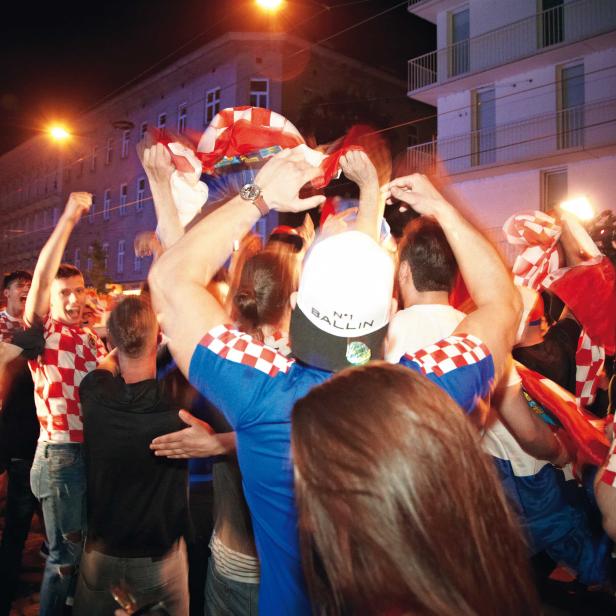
(226,597)
(20,505)
(58,481)
(149,580)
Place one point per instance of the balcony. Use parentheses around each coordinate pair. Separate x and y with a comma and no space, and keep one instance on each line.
(545,31)
(572,130)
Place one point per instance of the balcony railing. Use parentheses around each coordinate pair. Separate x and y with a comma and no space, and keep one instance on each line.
(583,127)
(567,23)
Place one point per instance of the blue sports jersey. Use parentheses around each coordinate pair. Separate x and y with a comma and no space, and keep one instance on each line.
(256,388)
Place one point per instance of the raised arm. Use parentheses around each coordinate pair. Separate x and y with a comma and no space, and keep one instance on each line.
(178,280)
(488,280)
(359,168)
(37,304)
(158,167)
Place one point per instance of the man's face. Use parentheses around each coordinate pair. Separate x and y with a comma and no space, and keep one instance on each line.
(68,296)
(16,295)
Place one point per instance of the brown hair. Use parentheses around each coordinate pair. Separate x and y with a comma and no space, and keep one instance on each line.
(426,250)
(262,297)
(398,506)
(132,324)
(66,270)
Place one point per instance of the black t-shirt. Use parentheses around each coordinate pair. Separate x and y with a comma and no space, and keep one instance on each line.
(554,358)
(137,502)
(19,426)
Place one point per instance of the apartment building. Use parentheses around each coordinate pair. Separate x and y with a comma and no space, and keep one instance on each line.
(277,71)
(526,99)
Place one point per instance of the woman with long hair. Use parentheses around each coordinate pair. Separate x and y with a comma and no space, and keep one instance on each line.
(259,306)
(400,510)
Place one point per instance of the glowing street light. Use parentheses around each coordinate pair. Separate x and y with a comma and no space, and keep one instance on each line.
(59,133)
(580,207)
(269,5)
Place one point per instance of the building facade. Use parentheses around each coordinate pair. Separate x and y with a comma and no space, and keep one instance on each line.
(277,71)
(526,98)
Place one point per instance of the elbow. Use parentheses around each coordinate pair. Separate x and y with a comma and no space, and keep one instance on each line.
(609,524)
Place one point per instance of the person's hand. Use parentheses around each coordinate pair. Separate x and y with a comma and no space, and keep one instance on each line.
(147,244)
(281,179)
(417,191)
(357,167)
(196,441)
(156,161)
(78,203)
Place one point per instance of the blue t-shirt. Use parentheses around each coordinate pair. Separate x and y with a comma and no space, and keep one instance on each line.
(256,387)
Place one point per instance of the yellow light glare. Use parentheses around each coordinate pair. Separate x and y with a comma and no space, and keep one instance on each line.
(580,207)
(59,133)
(270,5)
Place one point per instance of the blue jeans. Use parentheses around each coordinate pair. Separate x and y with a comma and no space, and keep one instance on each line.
(149,580)
(58,481)
(20,505)
(225,597)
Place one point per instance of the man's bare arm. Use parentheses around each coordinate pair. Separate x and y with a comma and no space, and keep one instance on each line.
(158,167)
(37,304)
(178,279)
(359,168)
(488,281)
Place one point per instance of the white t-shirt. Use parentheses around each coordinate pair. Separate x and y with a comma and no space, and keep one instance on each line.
(416,327)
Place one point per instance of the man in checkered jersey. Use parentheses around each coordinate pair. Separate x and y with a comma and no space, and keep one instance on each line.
(339,319)
(56,300)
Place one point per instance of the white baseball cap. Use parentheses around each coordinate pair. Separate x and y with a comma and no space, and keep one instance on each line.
(343,302)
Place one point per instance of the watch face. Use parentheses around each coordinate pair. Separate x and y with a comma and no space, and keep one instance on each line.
(250,192)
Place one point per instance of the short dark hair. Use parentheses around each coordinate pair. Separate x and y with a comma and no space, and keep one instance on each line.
(131,324)
(16,275)
(66,270)
(426,250)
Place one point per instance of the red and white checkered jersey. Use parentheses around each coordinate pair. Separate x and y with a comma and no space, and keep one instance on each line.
(8,325)
(609,474)
(70,353)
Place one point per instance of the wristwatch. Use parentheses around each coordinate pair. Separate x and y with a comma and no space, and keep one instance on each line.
(251,192)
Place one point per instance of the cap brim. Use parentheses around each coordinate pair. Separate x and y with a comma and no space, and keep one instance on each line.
(319,349)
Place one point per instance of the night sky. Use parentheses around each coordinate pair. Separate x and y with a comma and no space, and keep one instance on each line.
(59,59)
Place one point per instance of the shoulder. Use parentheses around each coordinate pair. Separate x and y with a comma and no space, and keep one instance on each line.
(233,347)
(97,381)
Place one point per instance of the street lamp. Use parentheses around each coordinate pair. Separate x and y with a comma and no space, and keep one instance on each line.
(580,207)
(58,133)
(270,5)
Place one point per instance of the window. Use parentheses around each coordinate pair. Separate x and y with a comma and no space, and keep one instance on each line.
(162,120)
(93,159)
(106,253)
(551,22)
(259,93)
(92,212)
(412,136)
(140,194)
(137,264)
(125,143)
(89,261)
(107,204)
(553,188)
(77,259)
(109,151)
(212,104)
(55,215)
(80,167)
(459,35)
(483,137)
(182,113)
(143,129)
(120,262)
(123,199)
(571,106)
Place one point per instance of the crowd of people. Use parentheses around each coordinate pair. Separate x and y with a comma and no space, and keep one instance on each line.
(331,424)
